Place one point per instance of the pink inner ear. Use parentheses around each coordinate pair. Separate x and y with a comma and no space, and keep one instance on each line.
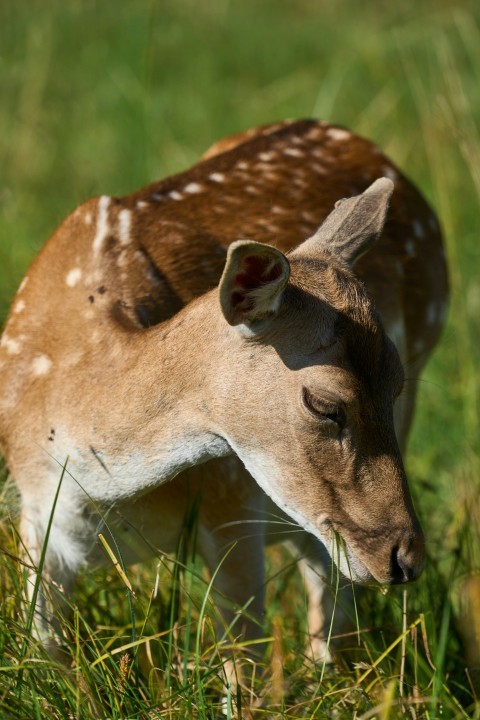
(256,272)
(257,266)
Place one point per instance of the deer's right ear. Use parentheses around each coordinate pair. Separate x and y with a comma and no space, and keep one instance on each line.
(252,282)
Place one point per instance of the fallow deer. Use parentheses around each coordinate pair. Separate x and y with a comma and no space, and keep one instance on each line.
(193,321)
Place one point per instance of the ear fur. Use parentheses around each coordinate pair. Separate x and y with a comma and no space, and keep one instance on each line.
(354,225)
(252,282)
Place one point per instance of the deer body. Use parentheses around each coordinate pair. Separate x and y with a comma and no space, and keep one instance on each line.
(123,359)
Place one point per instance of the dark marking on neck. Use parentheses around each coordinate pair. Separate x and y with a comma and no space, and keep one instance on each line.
(99,459)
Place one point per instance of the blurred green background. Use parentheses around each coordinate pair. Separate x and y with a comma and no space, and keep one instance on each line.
(103,97)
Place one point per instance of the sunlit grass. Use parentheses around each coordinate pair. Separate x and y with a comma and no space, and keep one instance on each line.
(98,98)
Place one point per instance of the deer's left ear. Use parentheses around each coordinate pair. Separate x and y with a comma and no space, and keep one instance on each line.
(354,225)
(253,281)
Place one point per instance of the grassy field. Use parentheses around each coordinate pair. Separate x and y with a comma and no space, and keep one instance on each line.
(104,98)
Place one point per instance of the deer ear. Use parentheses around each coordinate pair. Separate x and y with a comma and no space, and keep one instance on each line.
(252,282)
(354,225)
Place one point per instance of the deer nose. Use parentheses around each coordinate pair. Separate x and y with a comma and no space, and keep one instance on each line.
(406,563)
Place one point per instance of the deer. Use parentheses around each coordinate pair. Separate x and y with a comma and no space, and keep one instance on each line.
(243,328)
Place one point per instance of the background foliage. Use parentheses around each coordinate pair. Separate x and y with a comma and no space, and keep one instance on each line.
(103,97)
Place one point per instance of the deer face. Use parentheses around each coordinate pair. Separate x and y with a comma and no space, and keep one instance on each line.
(319,436)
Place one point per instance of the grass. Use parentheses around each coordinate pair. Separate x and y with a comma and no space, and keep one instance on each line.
(103,98)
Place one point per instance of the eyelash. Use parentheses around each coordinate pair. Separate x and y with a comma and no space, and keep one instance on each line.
(323,411)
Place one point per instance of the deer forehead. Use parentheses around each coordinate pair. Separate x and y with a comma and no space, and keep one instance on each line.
(324,301)
(324,277)
(348,371)
(343,358)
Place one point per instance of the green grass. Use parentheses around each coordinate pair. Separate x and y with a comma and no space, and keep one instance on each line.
(104,98)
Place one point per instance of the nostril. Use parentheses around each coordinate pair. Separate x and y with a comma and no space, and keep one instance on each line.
(400,569)
(396,571)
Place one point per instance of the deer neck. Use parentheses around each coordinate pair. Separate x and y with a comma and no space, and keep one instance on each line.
(164,395)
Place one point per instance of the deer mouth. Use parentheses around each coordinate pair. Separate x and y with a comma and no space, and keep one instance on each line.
(351,564)
(346,559)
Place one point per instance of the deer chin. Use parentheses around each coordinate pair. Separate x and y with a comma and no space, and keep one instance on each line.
(320,526)
(341,553)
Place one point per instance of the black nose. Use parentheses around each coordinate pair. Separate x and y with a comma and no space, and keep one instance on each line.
(401,570)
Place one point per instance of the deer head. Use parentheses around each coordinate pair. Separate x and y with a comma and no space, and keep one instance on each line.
(308,402)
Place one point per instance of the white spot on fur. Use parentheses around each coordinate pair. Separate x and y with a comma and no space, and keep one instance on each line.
(278,210)
(263,167)
(122,258)
(265,223)
(73,277)
(251,190)
(319,169)
(418,230)
(193,188)
(338,134)
(271,176)
(140,256)
(11,345)
(41,365)
(88,218)
(73,359)
(217,177)
(266,156)
(293,152)
(175,195)
(233,200)
(310,217)
(124,223)
(141,205)
(300,182)
(315,133)
(102,223)
(242,165)
(19,306)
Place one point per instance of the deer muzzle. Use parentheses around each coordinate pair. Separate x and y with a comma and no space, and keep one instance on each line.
(407,559)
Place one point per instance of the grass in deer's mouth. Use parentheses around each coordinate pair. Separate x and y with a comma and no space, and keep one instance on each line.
(98,98)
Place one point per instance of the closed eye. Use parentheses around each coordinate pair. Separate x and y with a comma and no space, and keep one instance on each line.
(323,410)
